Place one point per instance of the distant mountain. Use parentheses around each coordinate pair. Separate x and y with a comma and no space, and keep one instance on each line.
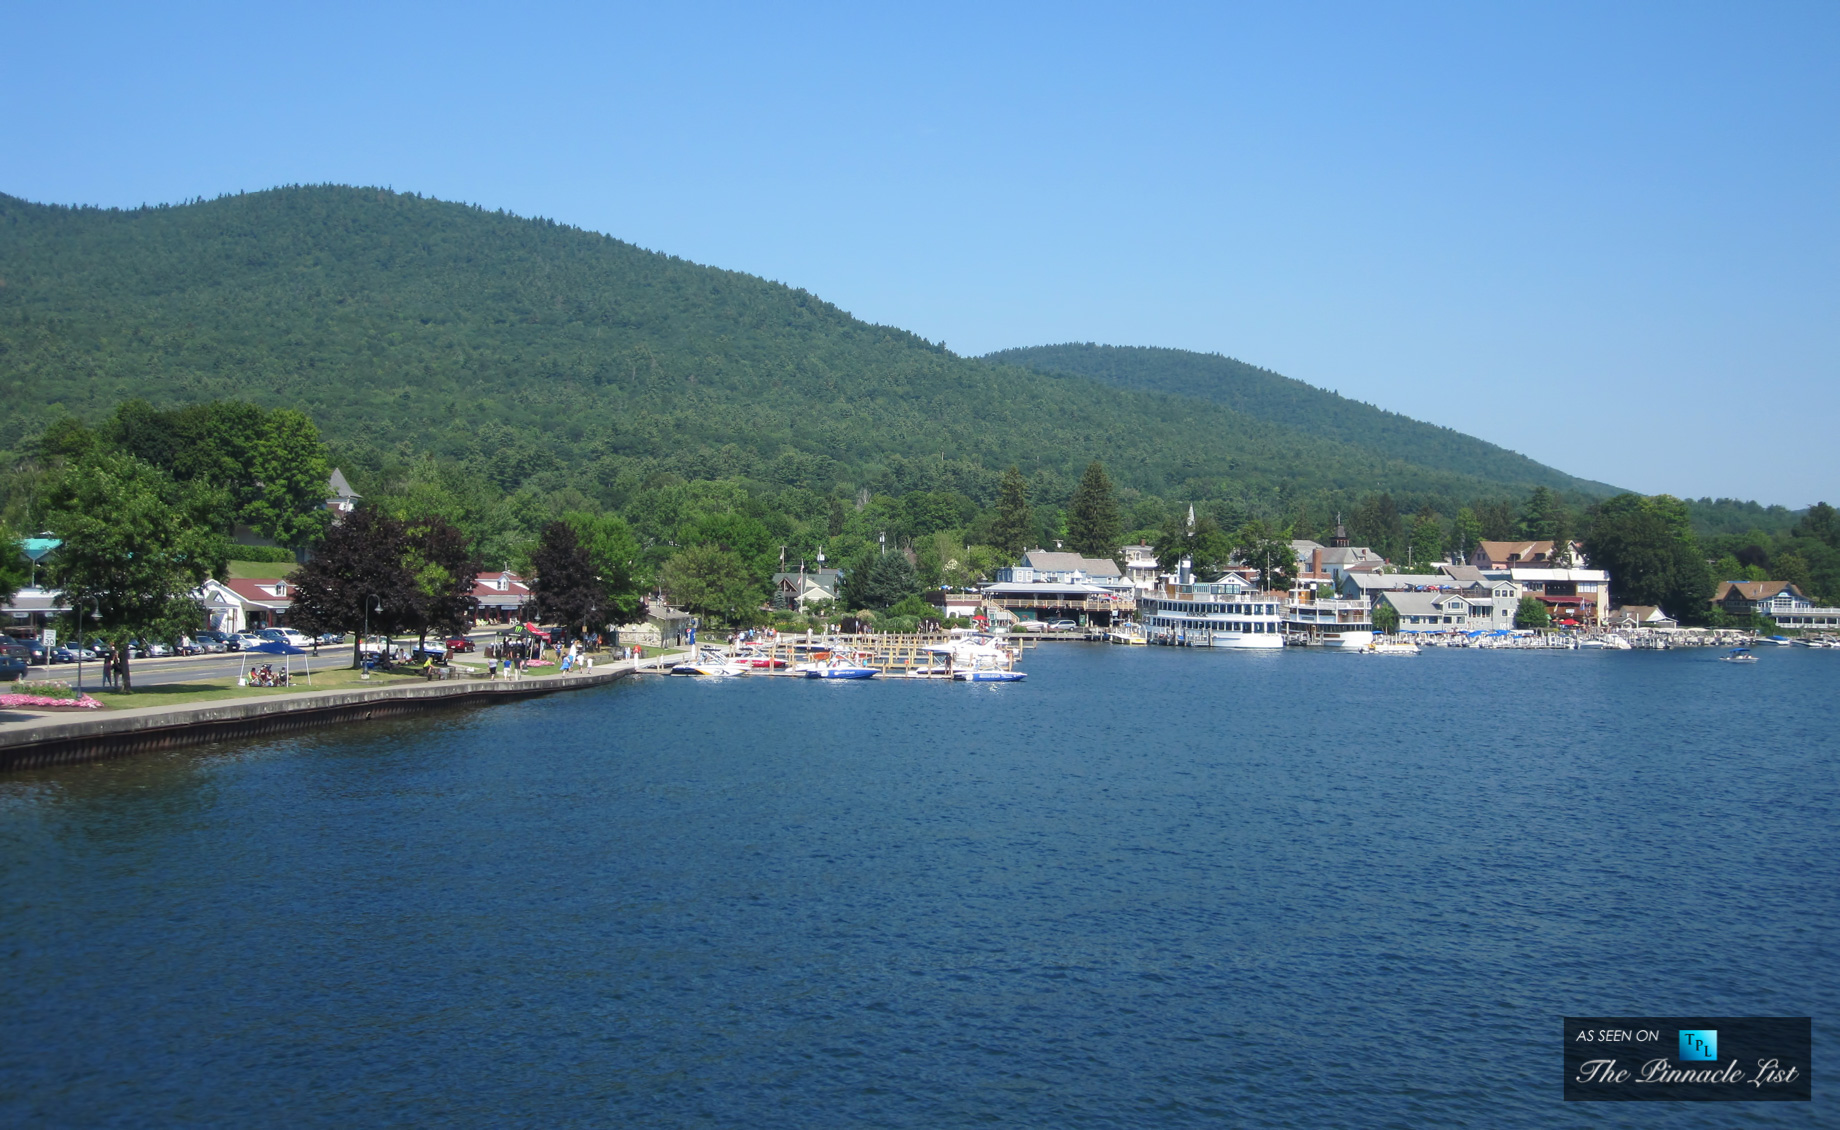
(535,351)
(1274,398)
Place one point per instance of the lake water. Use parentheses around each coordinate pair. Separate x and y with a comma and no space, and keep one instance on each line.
(1148,887)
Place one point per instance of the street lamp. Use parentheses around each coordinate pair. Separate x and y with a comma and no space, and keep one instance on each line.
(96,615)
(364,671)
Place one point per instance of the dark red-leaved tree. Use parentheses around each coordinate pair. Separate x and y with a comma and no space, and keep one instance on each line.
(565,589)
(359,576)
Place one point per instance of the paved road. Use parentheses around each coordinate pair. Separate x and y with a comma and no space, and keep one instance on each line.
(190,669)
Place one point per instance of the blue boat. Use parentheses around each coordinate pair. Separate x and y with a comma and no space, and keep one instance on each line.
(978,676)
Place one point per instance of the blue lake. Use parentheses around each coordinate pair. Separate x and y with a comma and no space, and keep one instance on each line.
(1148,887)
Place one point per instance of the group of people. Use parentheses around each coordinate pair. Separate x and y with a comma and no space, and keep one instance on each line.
(267,676)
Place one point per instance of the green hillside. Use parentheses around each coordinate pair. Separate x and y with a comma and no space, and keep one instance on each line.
(538,353)
(1265,395)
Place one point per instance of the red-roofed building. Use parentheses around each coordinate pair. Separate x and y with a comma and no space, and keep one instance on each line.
(246,606)
(500,596)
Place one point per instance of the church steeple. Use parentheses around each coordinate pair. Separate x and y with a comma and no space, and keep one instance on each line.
(1340,540)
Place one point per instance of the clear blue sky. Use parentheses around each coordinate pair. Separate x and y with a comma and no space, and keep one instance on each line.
(1604,235)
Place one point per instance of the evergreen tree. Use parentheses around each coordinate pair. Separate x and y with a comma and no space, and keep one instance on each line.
(1427,539)
(1468,532)
(1093,524)
(1376,523)
(1015,522)
(1538,518)
(884,581)
(1498,520)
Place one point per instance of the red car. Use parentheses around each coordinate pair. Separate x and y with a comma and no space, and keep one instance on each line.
(459,643)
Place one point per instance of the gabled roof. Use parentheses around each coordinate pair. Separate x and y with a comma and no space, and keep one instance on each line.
(1754,590)
(1054,561)
(268,594)
(1464,574)
(1529,551)
(339,487)
(1399,582)
(1427,603)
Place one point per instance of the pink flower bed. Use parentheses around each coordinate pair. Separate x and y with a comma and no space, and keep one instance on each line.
(42,702)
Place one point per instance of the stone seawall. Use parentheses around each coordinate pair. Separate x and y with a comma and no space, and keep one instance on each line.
(64,739)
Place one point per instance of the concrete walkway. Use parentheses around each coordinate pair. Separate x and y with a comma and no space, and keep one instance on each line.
(31,739)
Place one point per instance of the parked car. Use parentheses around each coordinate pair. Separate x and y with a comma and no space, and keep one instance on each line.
(12,666)
(459,644)
(214,641)
(158,650)
(287,636)
(71,654)
(329,638)
(247,640)
(1063,626)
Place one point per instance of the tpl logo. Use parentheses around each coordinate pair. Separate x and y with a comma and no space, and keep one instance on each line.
(1699,1045)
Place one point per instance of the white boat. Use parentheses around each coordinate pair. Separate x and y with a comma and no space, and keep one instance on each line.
(1387,647)
(836,667)
(979,659)
(1738,655)
(1225,613)
(1126,634)
(1348,641)
(711,663)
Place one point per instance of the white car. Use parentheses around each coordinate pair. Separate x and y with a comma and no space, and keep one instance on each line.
(247,640)
(287,636)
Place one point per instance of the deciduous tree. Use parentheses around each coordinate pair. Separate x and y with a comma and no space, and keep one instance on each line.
(136,546)
(358,578)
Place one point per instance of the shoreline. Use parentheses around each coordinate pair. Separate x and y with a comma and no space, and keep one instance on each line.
(63,738)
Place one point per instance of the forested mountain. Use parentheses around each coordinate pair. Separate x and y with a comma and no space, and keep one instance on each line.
(1265,395)
(530,351)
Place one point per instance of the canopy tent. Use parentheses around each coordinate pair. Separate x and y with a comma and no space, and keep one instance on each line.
(276,647)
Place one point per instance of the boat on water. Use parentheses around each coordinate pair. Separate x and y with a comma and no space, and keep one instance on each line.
(713,664)
(1348,641)
(1128,634)
(836,667)
(758,659)
(978,659)
(1738,655)
(1388,647)
(1779,641)
(1228,613)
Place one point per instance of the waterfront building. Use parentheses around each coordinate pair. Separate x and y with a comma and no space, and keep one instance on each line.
(1140,567)
(1224,613)
(1498,556)
(1327,617)
(1640,616)
(1436,611)
(245,606)
(501,596)
(1581,595)
(1084,603)
(795,590)
(32,610)
(1781,601)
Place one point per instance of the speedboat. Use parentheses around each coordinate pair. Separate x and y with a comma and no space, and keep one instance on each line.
(712,663)
(836,667)
(987,675)
(758,659)
(1738,655)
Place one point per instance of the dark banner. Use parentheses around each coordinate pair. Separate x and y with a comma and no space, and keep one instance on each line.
(1688,1058)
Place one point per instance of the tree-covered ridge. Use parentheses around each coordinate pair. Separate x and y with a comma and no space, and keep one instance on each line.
(530,352)
(1272,397)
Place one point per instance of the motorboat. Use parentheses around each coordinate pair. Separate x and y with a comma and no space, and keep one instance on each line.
(758,659)
(1738,655)
(1129,634)
(1388,647)
(712,663)
(1348,641)
(836,667)
(994,675)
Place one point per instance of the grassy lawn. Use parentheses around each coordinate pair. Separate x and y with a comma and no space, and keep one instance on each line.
(175,694)
(259,570)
